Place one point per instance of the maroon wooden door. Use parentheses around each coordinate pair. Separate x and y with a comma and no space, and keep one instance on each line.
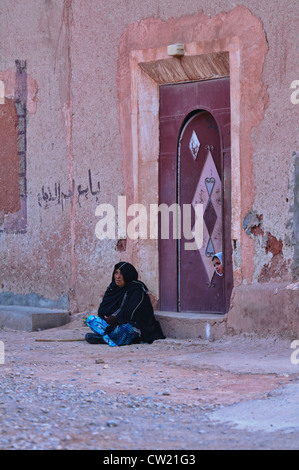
(194,168)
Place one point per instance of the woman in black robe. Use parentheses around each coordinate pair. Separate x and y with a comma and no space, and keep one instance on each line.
(125,315)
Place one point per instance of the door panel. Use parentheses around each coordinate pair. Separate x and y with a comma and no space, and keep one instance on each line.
(194,167)
(168,247)
(199,166)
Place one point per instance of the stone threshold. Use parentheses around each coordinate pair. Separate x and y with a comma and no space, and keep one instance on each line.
(184,325)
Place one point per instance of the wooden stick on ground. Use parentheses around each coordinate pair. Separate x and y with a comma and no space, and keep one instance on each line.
(59,340)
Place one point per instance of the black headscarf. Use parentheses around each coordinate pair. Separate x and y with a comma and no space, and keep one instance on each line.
(114,295)
(131,303)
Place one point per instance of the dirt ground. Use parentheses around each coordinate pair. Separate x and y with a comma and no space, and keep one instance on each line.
(59,392)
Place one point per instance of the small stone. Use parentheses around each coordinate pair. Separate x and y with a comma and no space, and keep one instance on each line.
(111,424)
(99,361)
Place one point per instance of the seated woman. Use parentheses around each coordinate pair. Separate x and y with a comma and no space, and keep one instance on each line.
(217,261)
(125,315)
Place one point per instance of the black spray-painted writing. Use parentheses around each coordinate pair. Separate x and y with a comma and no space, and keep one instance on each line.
(49,196)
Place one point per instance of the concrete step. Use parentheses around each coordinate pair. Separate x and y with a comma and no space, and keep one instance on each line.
(184,325)
(31,318)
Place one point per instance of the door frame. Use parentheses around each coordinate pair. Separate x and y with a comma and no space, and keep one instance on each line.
(140,143)
(143,64)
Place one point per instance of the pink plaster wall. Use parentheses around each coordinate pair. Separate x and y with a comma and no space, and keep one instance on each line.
(77,57)
(38,261)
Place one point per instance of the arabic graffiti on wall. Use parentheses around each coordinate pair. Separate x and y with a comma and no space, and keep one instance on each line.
(50,196)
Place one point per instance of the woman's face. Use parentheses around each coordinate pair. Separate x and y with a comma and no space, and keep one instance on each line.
(218,266)
(118,278)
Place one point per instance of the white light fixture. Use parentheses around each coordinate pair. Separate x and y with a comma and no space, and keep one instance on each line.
(176,50)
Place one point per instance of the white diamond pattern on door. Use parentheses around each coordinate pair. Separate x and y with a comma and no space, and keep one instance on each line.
(194,145)
(208,193)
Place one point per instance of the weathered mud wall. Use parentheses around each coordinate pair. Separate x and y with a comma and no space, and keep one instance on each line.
(75,154)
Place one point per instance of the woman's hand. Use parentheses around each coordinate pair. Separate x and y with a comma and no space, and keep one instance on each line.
(111,320)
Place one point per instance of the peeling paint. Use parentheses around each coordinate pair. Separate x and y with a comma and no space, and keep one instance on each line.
(9,160)
(276,267)
(121,244)
(252,223)
(8,77)
(273,245)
